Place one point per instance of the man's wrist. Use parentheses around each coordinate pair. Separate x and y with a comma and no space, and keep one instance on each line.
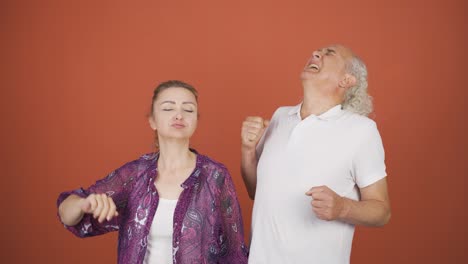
(248,151)
(345,208)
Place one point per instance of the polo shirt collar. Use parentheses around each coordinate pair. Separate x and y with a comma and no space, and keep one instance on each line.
(328,115)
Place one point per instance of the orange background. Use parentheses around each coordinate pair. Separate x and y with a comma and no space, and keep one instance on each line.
(77,78)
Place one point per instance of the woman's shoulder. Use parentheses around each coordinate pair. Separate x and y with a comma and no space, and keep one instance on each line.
(148,157)
(212,173)
(142,160)
(207,163)
(140,164)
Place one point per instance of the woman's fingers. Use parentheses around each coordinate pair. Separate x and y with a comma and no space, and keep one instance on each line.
(112,209)
(89,204)
(105,208)
(101,206)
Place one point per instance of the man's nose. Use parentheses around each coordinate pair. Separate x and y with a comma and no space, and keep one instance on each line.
(317,54)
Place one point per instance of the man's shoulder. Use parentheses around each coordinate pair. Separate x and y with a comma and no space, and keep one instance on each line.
(286,110)
(358,120)
(358,126)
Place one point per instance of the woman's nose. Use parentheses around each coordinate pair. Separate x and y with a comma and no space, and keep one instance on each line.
(178,116)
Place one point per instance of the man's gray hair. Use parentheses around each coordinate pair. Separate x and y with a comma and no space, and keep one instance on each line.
(357,99)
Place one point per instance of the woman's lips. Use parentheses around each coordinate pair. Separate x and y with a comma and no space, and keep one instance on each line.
(178,126)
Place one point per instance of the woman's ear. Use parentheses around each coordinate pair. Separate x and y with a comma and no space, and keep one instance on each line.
(152,122)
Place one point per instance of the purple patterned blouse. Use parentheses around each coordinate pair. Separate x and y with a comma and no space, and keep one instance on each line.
(207,219)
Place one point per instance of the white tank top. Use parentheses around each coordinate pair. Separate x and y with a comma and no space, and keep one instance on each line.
(159,249)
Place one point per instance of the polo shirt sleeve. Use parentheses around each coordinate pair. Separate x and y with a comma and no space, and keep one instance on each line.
(369,160)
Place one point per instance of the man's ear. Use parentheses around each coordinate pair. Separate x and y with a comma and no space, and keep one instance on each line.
(152,122)
(348,81)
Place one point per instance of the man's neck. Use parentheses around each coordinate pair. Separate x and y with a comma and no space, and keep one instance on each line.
(317,103)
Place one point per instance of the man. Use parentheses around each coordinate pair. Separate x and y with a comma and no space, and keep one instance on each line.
(317,169)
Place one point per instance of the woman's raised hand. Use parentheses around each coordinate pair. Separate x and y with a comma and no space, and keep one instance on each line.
(100,206)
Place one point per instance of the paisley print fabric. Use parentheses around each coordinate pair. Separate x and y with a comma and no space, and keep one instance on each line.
(207,220)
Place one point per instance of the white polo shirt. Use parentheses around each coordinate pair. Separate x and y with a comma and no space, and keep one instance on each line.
(339,149)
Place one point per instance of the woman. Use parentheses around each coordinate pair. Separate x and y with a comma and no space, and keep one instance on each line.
(171,206)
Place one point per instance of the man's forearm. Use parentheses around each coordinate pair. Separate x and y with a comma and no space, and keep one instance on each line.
(366,213)
(249,171)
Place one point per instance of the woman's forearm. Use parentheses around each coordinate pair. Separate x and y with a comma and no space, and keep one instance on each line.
(70,210)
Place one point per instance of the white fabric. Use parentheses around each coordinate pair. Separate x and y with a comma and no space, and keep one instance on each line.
(338,149)
(159,249)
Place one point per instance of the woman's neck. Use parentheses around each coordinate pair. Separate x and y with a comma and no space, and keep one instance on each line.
(174,155)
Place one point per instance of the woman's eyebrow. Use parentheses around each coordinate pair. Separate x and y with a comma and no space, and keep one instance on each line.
(173,102)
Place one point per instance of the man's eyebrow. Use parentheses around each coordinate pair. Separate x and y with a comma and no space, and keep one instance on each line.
(331,50)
